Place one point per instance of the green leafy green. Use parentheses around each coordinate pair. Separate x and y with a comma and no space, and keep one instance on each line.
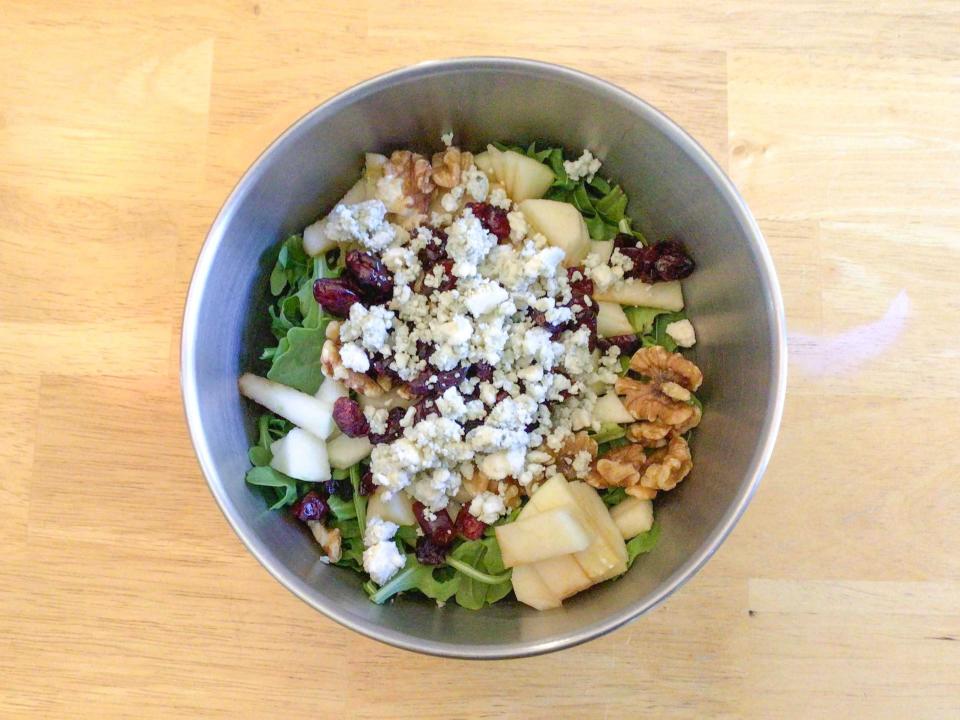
(297,361)
(613,496)
(608,432)
(267,477)
(484,579)
(359,501)
(606,447)
(407,534)
(415,576)
(342,509)
(642,318)
(642,543)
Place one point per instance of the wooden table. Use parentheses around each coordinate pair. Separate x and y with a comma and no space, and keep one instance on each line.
(123,593)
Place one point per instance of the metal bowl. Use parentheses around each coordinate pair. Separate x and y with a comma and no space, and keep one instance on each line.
(675,189)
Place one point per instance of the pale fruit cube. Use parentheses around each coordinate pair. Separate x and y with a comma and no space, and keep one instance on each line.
(525,178)
(665,295)
(633,516)
(531,590)
(595,508)
(546,535)
(562,575)
(345,451)
(612,320)
(554,493)
(484,162)
(602,248)
(610,409)
(330,390)
(496,162)
(372,172)
(356,194)
(562,225)
(301,455)
(398,508)
(301,409)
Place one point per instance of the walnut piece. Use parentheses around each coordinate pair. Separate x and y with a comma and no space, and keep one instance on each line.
(640,474)
(665,397)
(333,367)
(415,173)
(449,165)
(329,540)
(575,457)
(649,434)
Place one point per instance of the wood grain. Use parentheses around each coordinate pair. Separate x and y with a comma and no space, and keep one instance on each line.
(123,592)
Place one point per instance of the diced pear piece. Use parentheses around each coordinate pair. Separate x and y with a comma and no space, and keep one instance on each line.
(612,320)
(606,556)
(345,451)
(484,162)
(330,390)
(299,408)
(546,535)
(315,241)
(373,171)
(609,408)
(398,508)
(301,456)
(356,194)
(595,508)
(562,225)
(602,248)
(562,575)
(526,178)
(496,162)
(633,516)
(531,590)
(665,295)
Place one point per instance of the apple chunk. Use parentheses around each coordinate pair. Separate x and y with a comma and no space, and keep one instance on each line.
(633,516)
(397,509)
(526,178)
(301,456)
(301,409)
(345,451)
(610,409)
(531,590)
(612,320)
(562,225)
(665,295)
(546,535)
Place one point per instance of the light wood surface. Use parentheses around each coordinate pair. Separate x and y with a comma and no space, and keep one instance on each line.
(123,593)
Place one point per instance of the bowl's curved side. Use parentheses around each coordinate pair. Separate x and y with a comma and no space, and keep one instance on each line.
(672,182)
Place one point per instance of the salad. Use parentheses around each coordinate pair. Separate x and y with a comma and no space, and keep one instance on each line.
(476,388)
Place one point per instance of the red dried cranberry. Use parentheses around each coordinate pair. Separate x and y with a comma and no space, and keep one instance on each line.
(448,281)
(439,528)
(349,417)
(643,259)
(341,488)
(367,485)
(393,429)
(335,295)
(369,275)
(492,218)
(468,526)
(310,507)
(539,318)
(435,251)
(380,367)
(424,408)
(624,240)
(429,553)
(674,262)
(482,371)
(628,344)
(433,382)
(582,285)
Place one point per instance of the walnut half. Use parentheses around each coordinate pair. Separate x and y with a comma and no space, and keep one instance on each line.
(640,474)
(664,398)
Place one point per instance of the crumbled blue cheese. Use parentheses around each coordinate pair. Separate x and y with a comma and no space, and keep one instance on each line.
(382,558)
(467,244)
(682,333)
(370,326)
(354,358)
(447,138)
(498,198)
(487,507)
(363,223)
(585,166)
(376,418)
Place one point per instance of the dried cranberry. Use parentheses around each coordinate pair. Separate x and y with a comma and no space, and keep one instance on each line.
(581,286)
(674,262)
(393,429)
(367,485)
(435,251)
(482,371)
(643,259)
(439,528)
(424,408)
(349,417)
(624,240)
(628,344)
(310,507)
(492,218)
(380,367)
(448,281)
(434,382)
(341,488)
(468,526)
(429,553)
(369,275)
(335,295)
(540,319)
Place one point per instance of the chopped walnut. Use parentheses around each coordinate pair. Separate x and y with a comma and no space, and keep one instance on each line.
(575,457)
(665,397)
(449,165)
(649,434)
(329,540)
(333,367)
(415,173)
(642,475)
(508,489)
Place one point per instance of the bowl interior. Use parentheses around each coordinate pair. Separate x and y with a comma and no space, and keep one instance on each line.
(674,190)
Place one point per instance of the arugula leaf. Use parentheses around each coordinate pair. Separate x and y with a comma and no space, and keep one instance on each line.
(267,477)
(642,543)
(608,432)
(660,336)
(612,206)
(415,576)
(407,534)
(484,578)
(613,496)
(297,360)
(342,509)
(359,501)
(260,454)
(606,447)
(642,318)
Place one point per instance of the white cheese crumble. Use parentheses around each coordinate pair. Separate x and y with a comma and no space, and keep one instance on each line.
(354,358)
(586,166)
(363,223)
(487,507)
(370,327)
(447,138)
(682,333)
(382,561)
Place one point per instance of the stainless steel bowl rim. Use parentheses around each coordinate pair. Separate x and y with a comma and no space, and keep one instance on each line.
(214,238)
